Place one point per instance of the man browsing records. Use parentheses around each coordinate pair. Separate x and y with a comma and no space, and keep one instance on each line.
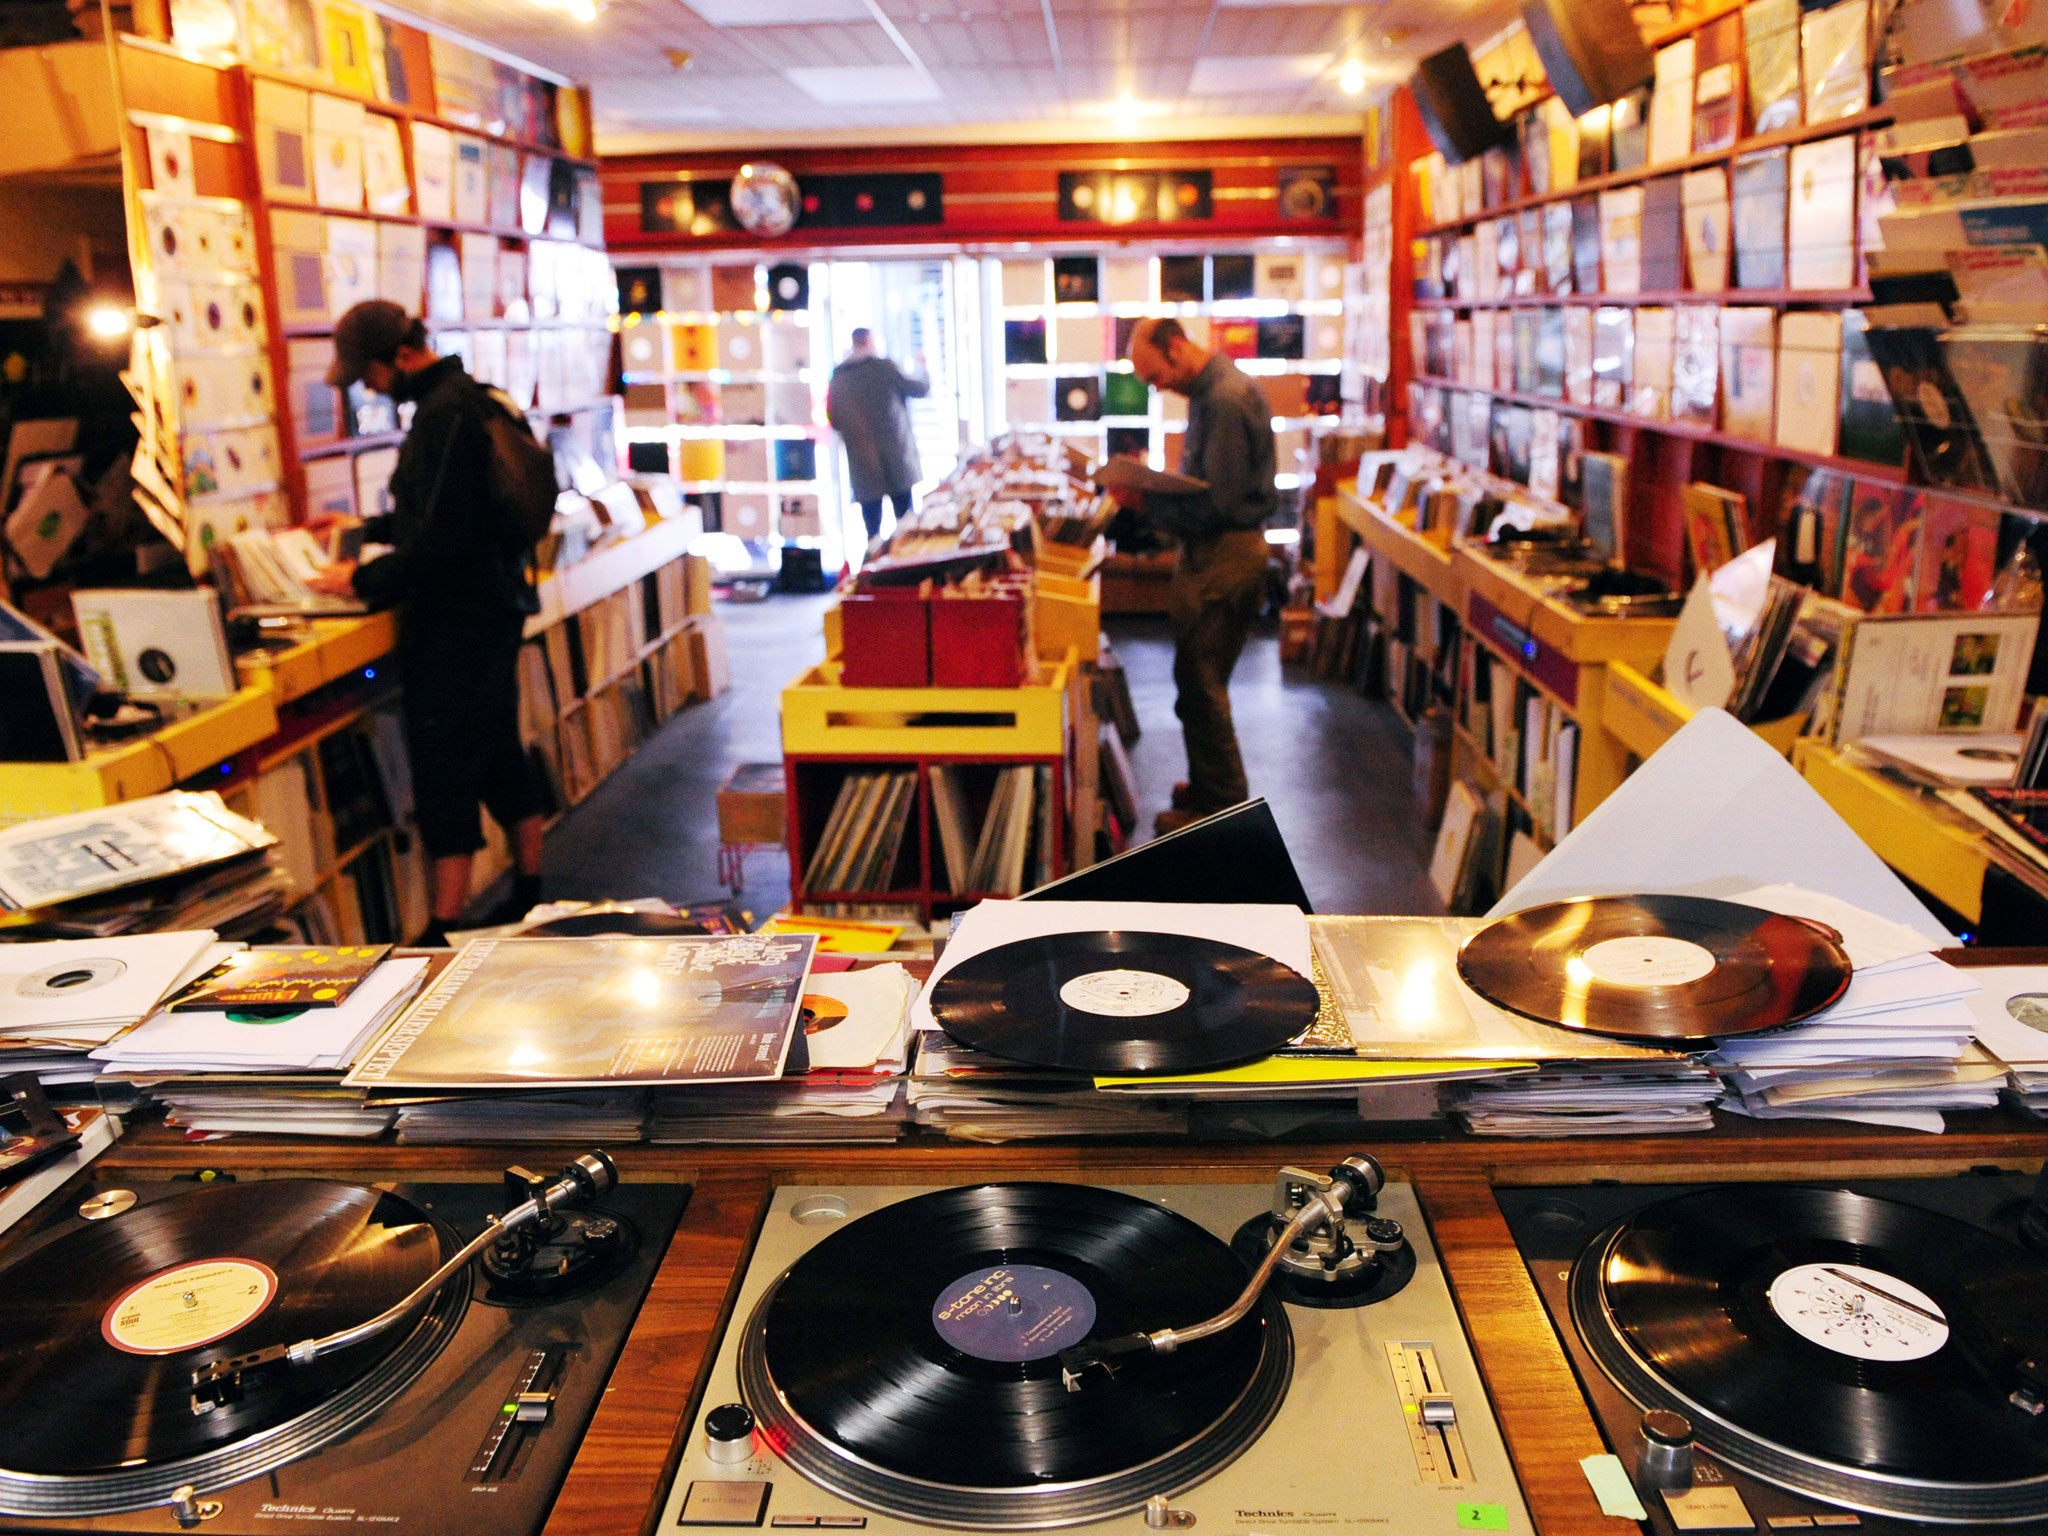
(457,572)
(1219,583)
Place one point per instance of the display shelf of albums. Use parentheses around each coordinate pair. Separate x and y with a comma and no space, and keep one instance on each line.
(1671,279)
(291,173)
(1060,328)
(723,391)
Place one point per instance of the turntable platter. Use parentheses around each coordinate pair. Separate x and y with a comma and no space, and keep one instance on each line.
(1859,1349)
(109,1320)
(910,1361)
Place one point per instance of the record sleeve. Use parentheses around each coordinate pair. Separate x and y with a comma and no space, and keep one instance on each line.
(600,1012)
(283,979)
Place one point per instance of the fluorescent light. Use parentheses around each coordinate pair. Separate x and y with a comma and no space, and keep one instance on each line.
(1268,72)
(863,85)
(1351,80)
(777,13)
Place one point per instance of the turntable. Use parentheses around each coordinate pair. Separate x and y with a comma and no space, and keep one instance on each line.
(1026,1356)
(292,1354)
(1869,1356)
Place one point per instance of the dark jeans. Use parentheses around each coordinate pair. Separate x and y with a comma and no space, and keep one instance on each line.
(871,512)
(1216,592)
(461,713)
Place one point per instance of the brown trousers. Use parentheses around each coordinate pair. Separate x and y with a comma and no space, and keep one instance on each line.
(1216,593)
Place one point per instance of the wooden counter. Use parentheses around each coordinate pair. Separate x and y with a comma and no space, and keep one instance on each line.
(620,1474)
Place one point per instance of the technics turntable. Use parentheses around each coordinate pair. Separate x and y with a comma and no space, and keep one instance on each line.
(297,1354)
(1792,1357)
(1023,1356)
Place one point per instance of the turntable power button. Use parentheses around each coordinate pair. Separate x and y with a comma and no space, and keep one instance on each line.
(729,1433)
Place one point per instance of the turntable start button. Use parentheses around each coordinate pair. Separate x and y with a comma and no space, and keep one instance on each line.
(712,1501)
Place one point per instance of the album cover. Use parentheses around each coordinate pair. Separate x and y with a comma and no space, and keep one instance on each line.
(1579,326)
(1834,52)
(1183,280)
(1870,430)
(1704,202)
(1530,253)
(1613,349)
(1629,135)
(284,142)
(1939,428)
(1770,51)
(1621,239)
(1717,117)
(1809,380)
(1958,555)
(2002,372)
(1232,277)
(1522,328)
(1595,132)
(1078,398)
(1671,102)
(1821,227)
(1650,368)
(271,979)
(1585,237)
(1759,207)
(1714,526)
(1696,365)
(1543,453)
(596,1012)
(1749,372)
(1024,341)
(1880,545)
(1662,237)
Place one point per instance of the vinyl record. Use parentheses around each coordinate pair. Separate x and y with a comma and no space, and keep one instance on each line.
(1123,1002)
(71,977)
(108,1320)
(1673,971)
(584,925)
(1859,1349)
(911,1361)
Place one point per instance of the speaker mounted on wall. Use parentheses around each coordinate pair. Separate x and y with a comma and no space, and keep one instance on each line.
(1454,107)
(1590,49)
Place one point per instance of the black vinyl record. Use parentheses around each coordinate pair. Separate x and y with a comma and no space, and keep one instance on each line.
(911,1360)
(105,1323)
(1123,1002)
(1673,971)
(1860,1349)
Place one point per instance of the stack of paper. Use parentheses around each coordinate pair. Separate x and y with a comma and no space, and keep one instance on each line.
(973,1096)
(2011,1024)
(1895,1050)
(600,1115)
(1395,980)
(167,862)
(311,1040)
(857,1036)
(61,1000)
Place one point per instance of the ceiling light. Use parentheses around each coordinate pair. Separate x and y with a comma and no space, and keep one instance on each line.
(1126,114)
(1351,81)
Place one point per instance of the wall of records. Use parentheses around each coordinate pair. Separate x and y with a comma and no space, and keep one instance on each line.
(1705,278)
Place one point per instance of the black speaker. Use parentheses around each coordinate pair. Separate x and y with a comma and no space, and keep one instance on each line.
(1454,107)
(1590,49)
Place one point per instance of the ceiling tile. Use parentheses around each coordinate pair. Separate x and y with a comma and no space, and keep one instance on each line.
(770,13)
(1262,73)
(863,85)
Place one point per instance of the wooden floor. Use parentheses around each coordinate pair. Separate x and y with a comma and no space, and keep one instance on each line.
(616,1485)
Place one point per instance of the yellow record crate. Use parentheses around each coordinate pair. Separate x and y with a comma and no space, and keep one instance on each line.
(820,718)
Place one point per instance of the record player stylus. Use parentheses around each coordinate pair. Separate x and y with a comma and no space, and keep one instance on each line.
(224,1381)
(1313,1238)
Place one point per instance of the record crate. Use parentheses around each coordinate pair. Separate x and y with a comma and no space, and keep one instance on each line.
(831,733)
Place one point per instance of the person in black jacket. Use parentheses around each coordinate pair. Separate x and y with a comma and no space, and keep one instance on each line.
(460,583)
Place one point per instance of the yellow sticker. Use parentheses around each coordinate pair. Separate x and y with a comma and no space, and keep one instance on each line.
(188,1305)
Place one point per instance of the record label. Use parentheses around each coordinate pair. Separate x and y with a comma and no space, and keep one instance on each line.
(1646,960)
(1016,1312)
(189,1305)
(1124,994)
(1862,1313)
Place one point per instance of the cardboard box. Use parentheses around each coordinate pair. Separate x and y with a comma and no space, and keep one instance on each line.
(752,805)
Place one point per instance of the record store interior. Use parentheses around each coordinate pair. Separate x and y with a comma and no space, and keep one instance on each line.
(1253,767)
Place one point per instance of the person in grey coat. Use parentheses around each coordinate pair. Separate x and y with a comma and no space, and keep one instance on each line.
(864,403)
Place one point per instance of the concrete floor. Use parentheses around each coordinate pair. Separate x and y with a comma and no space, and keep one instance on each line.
(1334,765)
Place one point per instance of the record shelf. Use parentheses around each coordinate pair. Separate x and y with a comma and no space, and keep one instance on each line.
(620,1473)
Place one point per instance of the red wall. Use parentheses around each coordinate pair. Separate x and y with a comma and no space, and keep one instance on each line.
(996,192)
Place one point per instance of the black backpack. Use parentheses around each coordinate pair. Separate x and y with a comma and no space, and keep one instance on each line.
(521,476)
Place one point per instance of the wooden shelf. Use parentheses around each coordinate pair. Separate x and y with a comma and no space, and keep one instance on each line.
(1912,832)
(1837,298)
(1421,559)
(1875,117)
(1862,468)
(1643,715)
